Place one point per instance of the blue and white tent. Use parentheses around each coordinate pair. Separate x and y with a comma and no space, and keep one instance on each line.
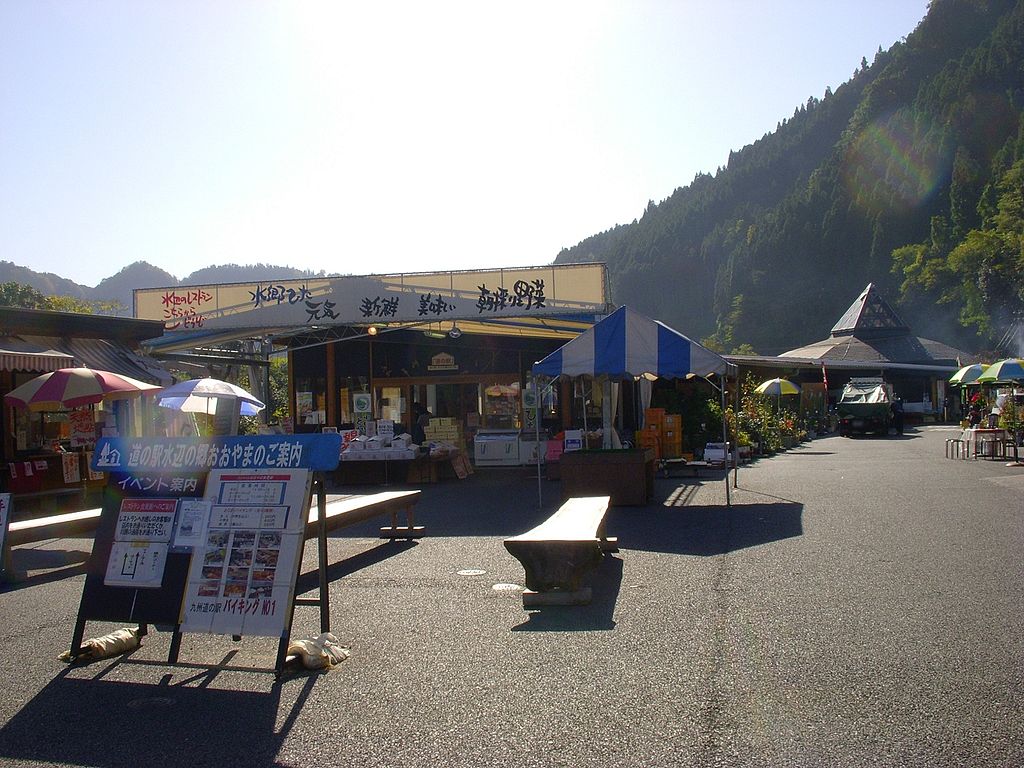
(628,345)
(625,345)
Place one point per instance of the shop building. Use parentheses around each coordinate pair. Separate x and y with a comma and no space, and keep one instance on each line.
(456,344)
(869,339)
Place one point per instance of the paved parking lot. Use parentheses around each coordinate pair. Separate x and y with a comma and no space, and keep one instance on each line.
(861,603)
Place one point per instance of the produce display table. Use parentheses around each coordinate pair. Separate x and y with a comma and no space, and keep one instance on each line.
(420,470)
(625,475)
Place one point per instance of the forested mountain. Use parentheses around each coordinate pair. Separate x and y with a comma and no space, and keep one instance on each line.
(909,176)
(118,288)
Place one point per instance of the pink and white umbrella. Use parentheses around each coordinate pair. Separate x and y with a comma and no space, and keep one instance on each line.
(74,387)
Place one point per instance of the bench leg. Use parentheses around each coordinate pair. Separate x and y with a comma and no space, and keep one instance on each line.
(396,531)
(555,570)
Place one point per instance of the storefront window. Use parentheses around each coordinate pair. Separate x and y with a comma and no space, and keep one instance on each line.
(500,407)
(391,404)
(310,401)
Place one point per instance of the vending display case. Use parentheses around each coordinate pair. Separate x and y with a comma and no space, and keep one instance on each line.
(496,448)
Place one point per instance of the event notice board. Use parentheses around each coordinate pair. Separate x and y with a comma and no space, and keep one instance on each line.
(202,535)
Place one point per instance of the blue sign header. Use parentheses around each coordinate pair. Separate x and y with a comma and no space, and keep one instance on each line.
(189,454)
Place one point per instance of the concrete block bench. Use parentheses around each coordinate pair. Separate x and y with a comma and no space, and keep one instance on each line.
(561,552)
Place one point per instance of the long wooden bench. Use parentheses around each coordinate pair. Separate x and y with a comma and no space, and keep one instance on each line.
(61,526)
(349,510)
(560,553)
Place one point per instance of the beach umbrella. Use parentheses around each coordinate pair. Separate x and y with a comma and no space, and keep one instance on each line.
(777,387)
(68,388)
(968,374)
(201,396)
(1009,370)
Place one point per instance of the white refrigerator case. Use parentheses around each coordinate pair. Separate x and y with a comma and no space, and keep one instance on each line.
(496,448)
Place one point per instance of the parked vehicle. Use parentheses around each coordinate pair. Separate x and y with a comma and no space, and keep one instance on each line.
(865,406)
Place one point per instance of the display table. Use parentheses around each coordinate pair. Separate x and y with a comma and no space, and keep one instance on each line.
(417,471)
(625,475)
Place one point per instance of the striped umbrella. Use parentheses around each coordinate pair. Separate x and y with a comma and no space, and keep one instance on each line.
(1005,371)
(968,374)
(777,387)
(74,387)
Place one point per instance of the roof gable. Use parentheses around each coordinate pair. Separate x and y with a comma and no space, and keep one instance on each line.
(869,313)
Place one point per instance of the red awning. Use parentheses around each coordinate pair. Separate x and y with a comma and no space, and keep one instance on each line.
(17,354)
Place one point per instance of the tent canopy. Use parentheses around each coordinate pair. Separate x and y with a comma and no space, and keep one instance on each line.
(627,344)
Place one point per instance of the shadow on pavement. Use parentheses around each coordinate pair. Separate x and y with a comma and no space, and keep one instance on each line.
(54,564)
(310,580)
(605,584)
(705,531)
(110,724)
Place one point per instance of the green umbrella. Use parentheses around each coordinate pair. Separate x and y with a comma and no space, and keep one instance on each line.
(968,374)
(1009,370)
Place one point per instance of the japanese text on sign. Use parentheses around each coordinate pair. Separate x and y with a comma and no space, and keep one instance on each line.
(254,452)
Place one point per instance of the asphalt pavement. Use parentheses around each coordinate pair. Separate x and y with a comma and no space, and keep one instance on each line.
(860,603)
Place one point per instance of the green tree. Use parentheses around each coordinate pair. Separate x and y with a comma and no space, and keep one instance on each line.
(14,294)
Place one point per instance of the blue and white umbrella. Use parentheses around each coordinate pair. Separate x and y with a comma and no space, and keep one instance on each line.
(626,345)
(201,395)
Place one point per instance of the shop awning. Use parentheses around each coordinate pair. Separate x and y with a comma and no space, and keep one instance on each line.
(18,354)
(106,355)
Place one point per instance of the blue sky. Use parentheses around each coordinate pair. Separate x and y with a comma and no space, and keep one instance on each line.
(365,138)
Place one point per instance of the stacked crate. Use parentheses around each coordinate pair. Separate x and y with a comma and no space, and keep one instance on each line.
(663,432)
(672,436)
(650,436)
(445,429)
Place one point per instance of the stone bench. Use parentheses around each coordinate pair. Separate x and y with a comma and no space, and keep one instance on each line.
(561,552)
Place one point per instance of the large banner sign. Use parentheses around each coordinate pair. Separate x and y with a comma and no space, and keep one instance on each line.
(421,297)
(189,454)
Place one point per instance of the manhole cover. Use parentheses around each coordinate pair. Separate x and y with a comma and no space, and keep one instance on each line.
(471,572)
(506,588)
(153,701)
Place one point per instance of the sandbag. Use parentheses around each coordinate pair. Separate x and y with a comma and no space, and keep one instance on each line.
(104,647)
(321,652)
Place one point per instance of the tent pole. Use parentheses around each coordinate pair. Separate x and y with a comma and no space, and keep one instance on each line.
(539,394)
(736,471)
(725,441)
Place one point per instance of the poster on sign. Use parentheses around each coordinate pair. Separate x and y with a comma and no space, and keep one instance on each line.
(243,572)
(70,465)
(83,428)
(138,554)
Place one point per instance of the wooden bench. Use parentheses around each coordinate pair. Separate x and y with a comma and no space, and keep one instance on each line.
(349,510)
(62,526)
(560,552)
(341,512)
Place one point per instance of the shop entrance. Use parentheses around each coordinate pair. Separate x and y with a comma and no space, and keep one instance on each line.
(454,400)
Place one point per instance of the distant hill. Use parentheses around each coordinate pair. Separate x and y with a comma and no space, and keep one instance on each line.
(119,287)
(909,176)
